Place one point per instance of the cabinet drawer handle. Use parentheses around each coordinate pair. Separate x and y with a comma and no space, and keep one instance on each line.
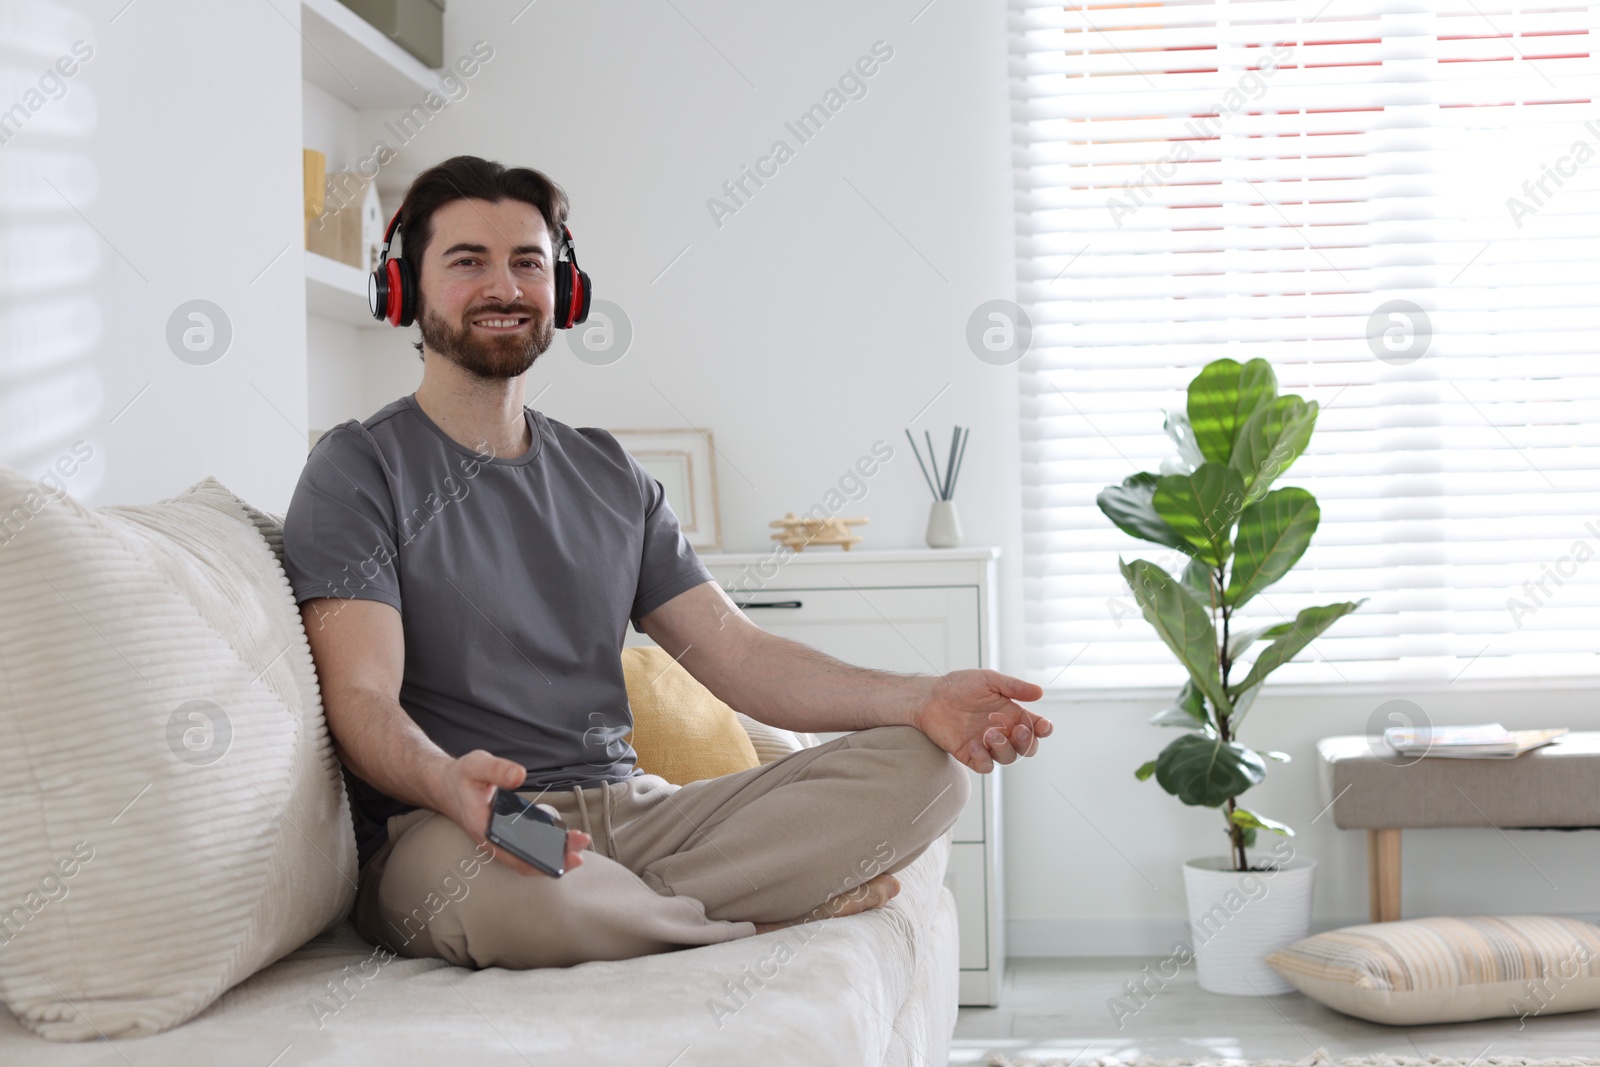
(766,604)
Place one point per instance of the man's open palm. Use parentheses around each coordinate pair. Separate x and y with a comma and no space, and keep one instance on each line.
(973,715)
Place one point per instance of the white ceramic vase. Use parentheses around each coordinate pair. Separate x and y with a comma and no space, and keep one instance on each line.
(1238,918)
(944,526)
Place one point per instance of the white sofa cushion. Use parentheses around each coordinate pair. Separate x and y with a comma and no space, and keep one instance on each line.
(772,744)
(172,816)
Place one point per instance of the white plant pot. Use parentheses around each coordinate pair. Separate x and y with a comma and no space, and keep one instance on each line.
(944,526)
(1238,918)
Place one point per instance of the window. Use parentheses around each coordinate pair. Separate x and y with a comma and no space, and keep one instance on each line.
(1396,205)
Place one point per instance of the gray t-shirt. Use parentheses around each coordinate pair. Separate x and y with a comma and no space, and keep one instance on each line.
(515,580)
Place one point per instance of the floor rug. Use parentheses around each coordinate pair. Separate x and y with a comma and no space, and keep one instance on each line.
(1315,1059)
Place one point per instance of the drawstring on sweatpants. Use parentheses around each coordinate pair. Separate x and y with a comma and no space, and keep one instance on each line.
(611,841)
(605,813)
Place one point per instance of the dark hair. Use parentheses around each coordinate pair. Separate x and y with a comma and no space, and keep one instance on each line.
(472,178)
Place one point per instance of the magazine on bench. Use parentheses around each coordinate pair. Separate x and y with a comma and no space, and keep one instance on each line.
(1484,741)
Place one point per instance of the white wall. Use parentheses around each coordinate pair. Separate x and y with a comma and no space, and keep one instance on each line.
(175,157)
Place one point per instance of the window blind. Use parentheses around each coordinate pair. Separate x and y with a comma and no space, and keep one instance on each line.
(1397,205)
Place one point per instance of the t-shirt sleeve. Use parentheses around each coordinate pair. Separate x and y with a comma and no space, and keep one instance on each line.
(338,534)
(667,564)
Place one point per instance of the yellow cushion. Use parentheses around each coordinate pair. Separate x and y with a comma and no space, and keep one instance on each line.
(681,731)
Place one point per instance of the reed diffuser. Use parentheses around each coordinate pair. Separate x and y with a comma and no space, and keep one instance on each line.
(944,526)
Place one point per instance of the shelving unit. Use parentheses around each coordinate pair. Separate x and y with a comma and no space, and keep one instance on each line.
(342,53)
(337,291)
(347,68)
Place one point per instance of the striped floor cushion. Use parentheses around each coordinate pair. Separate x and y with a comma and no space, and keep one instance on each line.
(1449,969)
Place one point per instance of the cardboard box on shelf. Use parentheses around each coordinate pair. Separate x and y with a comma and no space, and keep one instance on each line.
(314,167)
(415,25)
(350,229)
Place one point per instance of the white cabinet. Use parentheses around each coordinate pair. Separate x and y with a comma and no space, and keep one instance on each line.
(922,611)
(967,880)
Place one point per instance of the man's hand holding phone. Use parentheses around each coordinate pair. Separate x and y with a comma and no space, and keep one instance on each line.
(467,796)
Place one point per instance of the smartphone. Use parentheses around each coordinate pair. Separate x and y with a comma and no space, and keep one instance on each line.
(528,833)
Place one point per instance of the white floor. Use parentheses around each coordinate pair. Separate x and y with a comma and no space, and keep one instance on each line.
(1058,1007)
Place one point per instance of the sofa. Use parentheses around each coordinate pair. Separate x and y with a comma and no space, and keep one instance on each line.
(179,857)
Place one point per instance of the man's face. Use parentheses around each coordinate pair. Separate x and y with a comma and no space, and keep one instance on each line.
(487,291)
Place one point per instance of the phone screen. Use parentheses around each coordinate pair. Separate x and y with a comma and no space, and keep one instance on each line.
(527,833)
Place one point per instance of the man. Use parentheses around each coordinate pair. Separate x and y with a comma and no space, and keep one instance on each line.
(466,569)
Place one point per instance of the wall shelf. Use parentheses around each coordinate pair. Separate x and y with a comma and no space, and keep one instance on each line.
(344,54)
(337,291)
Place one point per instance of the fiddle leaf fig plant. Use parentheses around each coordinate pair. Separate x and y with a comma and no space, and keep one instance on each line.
(1214,503)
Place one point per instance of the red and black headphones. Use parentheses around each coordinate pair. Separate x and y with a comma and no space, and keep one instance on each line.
(392,288)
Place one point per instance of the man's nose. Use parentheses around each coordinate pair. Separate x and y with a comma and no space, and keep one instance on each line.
(501,284)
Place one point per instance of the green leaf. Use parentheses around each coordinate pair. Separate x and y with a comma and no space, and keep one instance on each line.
(1202,507)
(1273,534)
(1145,770)
(1182,434)
(1207,771)
(1128,505)
(1242,703)
(1239,640)
(1182,623)
(1252,821)
(1306,628)
(1249,837)
(1199,578)
(1175,716)
(1275,755)
(1187,711)
(1271,440)
(1222,397)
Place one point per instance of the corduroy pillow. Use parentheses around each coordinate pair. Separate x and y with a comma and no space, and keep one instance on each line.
(1449,969)
(681,731)
(172,816)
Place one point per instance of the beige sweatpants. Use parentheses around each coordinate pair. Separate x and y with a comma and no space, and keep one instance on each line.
(670,866)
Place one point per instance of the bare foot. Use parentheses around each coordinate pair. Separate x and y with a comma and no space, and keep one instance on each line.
(874,893)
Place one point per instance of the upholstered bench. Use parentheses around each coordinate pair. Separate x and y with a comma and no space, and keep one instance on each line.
(1373,789)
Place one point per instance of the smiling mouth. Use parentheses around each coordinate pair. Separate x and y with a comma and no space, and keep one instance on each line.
(501,323)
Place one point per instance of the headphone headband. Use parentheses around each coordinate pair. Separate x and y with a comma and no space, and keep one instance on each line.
(388,235)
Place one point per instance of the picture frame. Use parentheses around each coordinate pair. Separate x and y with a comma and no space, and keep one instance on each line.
(684,462)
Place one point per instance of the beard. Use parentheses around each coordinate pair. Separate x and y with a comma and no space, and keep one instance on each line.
(488,355)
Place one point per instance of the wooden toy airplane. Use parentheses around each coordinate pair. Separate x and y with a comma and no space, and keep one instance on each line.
(798,533)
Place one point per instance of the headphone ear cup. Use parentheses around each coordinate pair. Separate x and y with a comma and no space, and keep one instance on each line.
(378,292)
(563,301)
(408,294)
(583,298)
(391,289)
